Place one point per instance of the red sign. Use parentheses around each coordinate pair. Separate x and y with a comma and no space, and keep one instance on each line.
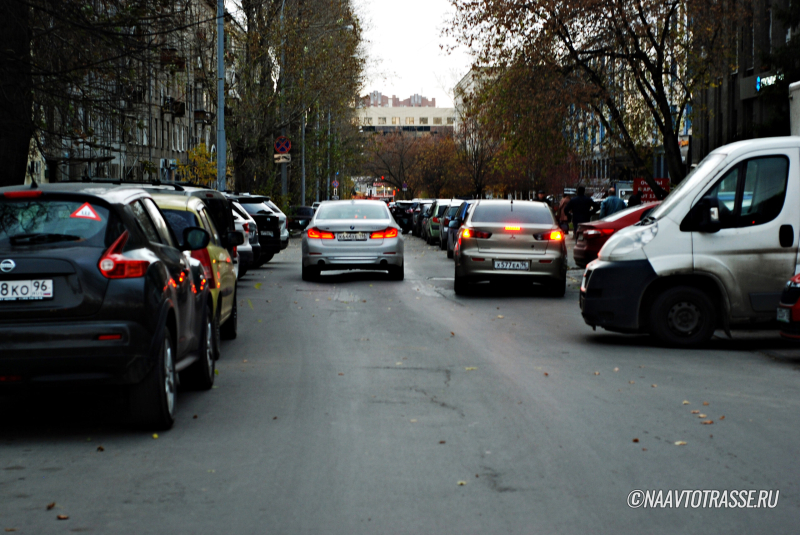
(641,185)
(283,145)
(85,212)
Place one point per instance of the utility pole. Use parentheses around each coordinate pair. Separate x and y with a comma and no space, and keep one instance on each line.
(221,142)
(284,182)
(317,165)
(303,160)
(328,191)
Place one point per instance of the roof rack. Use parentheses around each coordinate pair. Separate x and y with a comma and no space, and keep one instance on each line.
(119,181)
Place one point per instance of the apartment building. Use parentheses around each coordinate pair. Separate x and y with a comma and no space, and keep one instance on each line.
(417,116)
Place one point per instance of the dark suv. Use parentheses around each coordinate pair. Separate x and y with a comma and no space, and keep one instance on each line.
(94,288)
(268,222)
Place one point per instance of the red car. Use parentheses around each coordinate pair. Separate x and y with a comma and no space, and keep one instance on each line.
(592,235)
(789,309)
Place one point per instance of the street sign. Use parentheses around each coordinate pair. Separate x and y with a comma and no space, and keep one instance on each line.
(283,158)
(283,145)
(335,183)
(334,197)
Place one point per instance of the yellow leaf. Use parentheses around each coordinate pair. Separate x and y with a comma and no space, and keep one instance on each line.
(471,368)
(500,317)
(680,443)
(462,483)
(258,286)
(250,304)
(155,435)
(216,372)
(597,373)
(685,402)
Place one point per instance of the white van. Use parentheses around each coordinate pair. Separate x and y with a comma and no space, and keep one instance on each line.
(717,252)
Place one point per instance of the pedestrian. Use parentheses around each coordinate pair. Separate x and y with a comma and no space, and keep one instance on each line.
(542,197)
(562,216)
(581,208)
(635,199)
(611,204)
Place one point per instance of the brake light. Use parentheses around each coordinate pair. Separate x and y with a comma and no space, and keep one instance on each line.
(320,234)
(435,219)
(551,235)
(205,259)
(472,233)
(25,194)
(387,233)
(513,228)
(593,233)
(115,266)
(246,227)
(105,337)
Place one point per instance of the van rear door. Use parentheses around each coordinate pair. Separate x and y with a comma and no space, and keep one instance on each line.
(755,252)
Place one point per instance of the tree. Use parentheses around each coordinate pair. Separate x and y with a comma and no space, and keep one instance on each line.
(476,150)
(436,171)
(200,167)
(643,59)
(394,157)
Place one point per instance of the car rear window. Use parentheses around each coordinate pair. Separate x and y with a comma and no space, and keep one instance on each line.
(256,208)
(452,211)
(179,220)
(352,211)
(518,212)
(440,209)
(50,222)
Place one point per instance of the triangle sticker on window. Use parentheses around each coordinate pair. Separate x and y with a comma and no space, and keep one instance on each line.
(86,212)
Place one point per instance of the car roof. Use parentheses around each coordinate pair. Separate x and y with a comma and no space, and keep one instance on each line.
(111,193)
(173,202)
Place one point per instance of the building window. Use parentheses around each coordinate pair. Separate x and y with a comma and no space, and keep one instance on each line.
(409,120)
(451,120)
(437,120)
(367,120)
(395,120)
(381,120)
(423,120)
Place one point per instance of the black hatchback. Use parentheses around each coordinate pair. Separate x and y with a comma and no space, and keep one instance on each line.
(94,288)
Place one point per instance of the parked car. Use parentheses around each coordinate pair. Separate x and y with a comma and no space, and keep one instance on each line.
(300,217)
(95,289)
(789,309)
(419,217)
(444,224)
(247,251)
(284,223)
(403,213)
(455,224)
(183,212)
(269,225)
(433,222)
(594,234)
(517,241)
(355,234)
(715,253)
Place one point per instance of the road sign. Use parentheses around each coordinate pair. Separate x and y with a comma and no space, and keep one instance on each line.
(405,186)
(334,197)
(283,145)
(283,158)
(335,183)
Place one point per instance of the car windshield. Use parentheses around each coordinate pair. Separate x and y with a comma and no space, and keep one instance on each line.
(518,212)
(698,175)
(35,222)
(352,211)
(178,220)
(257,208)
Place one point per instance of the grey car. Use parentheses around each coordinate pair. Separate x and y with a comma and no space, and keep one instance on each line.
(355,234)
(515,241)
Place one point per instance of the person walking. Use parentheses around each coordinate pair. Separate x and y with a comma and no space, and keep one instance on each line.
(635,199)
(611,204)
(542,197)
(581,208)
(562,216)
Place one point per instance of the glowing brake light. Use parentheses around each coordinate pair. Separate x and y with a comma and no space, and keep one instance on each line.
(593,233)
(115,266)
(387,233)
(24,194)
(513,228)
(552,235)
(472,233)
(320,234)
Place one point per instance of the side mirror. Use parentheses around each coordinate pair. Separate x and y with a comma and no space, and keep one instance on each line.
(195,238)
(708,215)
(235,239)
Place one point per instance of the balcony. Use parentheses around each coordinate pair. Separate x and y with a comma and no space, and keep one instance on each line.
(170,56)
(174,107)
(202,116)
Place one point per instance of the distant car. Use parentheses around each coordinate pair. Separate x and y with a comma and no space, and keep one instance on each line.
(316,205)
(516,241)
(419,217)
(250,250)
(453,228)
(403,212)
(300,217)
(593,234)
(284,223)
(444,226)
(433,223)
(95,288)
(269,225)
(351,235)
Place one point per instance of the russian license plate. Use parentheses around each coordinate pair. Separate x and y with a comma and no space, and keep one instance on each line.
(512,265)
(266,233)
(785,315)
(352,236)
(32,290)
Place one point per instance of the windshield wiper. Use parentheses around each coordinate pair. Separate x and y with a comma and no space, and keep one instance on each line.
(41,237)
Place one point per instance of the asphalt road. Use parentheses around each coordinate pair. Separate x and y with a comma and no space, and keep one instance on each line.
(361,405)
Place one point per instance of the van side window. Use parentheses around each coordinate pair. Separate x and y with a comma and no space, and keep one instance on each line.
(757,197)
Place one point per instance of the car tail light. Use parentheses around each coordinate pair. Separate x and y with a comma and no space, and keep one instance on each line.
(115,266)
(106,337)
(386,233)
(550,235)
(25,194)
(10,378)
(513,228)
(246,227)
(435,219)
(594,233)
(320,234)
(472,233)
(409,211)
(205,259)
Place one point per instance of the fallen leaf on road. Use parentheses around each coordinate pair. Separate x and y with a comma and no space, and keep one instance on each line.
(695,412)
(250,304)
(441,442)
(701,415)
(707,422)
(62,517)
(722,417)
(216,372)
(644,449)
(452,333)
(471,368)
(51,505)
(680,443)
(100,448)
(274,417)
(245,360)
(632,382)
(654,386)
(705,403)
(295,302)
(370,286)
(616,369)
(211,471)
(597,373)
(258,286)
(341,373)
(363,300)
(462,483)
(685,402)
(636,440)
(9,530)
(500,317)
(155,435)
(413,420)
(546,374)
(194,417)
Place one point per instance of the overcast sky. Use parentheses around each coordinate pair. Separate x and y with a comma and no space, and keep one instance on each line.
(403,46)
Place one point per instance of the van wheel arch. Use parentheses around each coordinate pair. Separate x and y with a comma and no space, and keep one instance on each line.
(705,284)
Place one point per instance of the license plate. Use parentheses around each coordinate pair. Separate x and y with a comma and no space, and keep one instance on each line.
(512,265)
(352,236)
(785,315)
(32,290)
(266,233)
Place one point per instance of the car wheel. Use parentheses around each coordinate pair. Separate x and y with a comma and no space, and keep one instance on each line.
(310,273)
(200,375)
(683,316)
(229,329)
(152,401)
(558,288)
(397,273)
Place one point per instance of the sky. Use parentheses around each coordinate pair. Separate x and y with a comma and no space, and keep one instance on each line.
(403,49)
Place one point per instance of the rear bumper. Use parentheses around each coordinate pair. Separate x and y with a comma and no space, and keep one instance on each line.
(270,245)
(611,294)
(72,351)
(246,257)
(549,266)
(582,256)
(332,257)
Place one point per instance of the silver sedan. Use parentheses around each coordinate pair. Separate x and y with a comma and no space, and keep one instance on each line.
(356,234)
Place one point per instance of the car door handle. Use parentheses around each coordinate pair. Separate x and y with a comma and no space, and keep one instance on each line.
(786,235)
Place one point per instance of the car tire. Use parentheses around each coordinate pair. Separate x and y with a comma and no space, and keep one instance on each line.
(310,273)
(230,328)
(200,375)
(558,288)
(460,285)
(242,272)
(397,273)
(683,317)
(153,400)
